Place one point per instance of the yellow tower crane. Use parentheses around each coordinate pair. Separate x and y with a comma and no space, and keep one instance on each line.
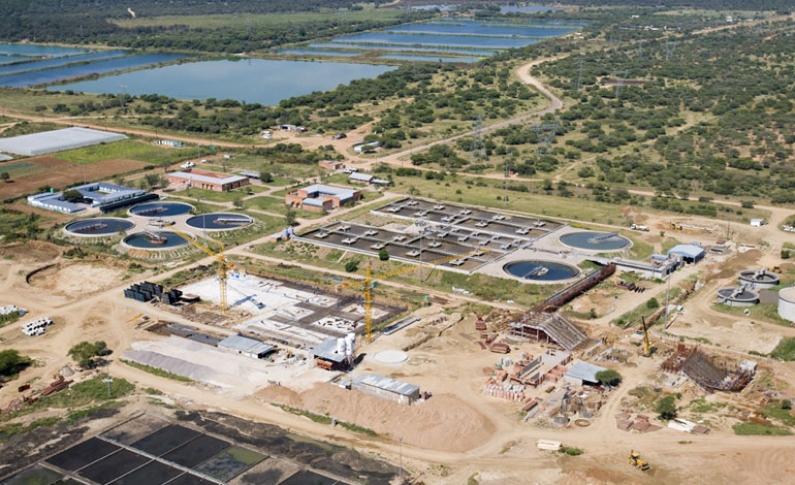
(368,283)
(223,264)
(648,347)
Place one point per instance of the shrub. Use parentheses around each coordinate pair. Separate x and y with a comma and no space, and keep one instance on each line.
(666,407)
(352,266)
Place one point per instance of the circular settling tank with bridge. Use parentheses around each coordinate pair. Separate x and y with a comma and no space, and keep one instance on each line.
(219,221)
(595,241)
(536,270)
(99,227)
(160,240)
(758,278)
(738,296)
(161,209)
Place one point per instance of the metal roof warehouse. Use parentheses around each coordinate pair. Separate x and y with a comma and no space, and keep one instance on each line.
(246,346)
(57,141)
(386,388)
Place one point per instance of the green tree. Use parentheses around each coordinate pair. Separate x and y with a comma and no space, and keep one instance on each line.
(351,266)
(5,176)
(383,255)
(666,407)
(238,202)
(608,376)
(11,361)
(84,353)
(73,196)
(652,304)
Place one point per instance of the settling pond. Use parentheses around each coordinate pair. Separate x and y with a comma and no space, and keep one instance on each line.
(251,80)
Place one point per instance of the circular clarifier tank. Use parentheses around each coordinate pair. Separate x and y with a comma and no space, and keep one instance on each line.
(219,221)
(99,227)
(537,270)
(161,209)
(758,278)
(738,296)
(155,240)
(595,241)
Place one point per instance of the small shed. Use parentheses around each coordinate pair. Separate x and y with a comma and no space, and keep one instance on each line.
(238,344)
(583,373)
(361,178)
(688,253)
(386,388)
(329,356)
(331,165)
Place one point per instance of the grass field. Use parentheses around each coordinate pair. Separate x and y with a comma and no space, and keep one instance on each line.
(126,149)
(258,20)
(785,350)
(747,429)
(20,169)
(276,205)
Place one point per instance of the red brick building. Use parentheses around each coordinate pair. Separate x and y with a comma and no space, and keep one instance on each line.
(205,179)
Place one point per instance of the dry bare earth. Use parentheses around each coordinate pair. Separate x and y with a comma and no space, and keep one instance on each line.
(58,173)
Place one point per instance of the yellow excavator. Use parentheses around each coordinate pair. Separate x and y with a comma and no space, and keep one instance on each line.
(635,460)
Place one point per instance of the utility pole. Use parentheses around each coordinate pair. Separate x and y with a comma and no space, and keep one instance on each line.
(667,294)
(400,440)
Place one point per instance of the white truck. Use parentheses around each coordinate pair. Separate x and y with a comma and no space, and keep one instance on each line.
(639,227)
(188,164)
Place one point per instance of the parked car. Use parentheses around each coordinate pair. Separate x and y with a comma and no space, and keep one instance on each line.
(350,170)
(339,136)
(188,165)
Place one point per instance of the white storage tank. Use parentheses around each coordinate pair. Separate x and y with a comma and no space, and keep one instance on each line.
(349,341)
(786,303)
(341,346)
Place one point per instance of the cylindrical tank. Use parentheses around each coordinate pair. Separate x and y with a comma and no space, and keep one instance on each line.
(350,343)
(786,303)
(341,346)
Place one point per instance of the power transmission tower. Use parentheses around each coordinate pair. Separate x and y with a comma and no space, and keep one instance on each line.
(546,135)
(620,77)
(478,149)
(670,47)
(640,47)
(579,78)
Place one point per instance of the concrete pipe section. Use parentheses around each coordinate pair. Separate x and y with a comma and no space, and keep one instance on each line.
(738,296)
(758,278)
(99,227)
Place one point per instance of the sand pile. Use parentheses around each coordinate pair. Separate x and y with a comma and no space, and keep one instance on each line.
(443,423)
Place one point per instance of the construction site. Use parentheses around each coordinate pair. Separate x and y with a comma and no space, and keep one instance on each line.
(354,349)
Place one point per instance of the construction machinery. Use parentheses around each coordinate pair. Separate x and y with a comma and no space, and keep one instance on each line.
(368,283)
(678,226)
(637,462)
(639,227)
(224,266)
(648,348)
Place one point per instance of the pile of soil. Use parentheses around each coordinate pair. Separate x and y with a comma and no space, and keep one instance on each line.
(443,423)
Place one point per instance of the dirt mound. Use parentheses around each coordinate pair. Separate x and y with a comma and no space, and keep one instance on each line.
(442,423)
(35,251)
(75,279)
